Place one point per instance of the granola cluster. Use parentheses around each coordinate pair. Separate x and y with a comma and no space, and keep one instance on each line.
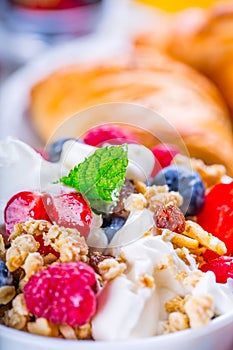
(25,257)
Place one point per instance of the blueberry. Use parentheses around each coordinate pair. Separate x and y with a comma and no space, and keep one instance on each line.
(187,182)
(55,149)
(111,225)
(6,278)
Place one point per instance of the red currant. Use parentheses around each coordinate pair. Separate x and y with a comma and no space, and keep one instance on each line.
(23,206)
(222,268)
(70,210)
(216,216)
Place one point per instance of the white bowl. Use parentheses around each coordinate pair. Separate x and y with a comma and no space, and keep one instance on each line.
(217,335)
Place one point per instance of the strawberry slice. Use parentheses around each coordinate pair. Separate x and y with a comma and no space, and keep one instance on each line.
(70,210)
(222,268)
(23,206)
(111,134)
(216,216)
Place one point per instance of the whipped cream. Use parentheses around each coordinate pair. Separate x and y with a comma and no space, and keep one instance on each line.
(125,303)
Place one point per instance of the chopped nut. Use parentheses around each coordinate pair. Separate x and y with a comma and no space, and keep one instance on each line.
(84,332)
(140,187)
(7,293)
(175,304)
(2,248)
(110,268)
(19,305)
(67,242)
(210,174)
(147,281)
(21,246)
(176,322)
(193,279)
(32,227)
(199,310)
(96,258)
(195,231)
(161,195)
(14,320)
(33,264)
(67,331)
(136,201)
(43,327)
(179,240)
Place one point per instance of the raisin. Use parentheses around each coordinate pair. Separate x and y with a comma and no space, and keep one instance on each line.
(169,217)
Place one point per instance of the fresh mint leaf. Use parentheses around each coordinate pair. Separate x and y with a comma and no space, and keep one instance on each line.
(101,176)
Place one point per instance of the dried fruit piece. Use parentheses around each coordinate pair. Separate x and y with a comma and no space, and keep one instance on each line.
(169,217)
(62,293)
(222,268)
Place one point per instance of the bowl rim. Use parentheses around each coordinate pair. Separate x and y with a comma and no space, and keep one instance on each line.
(164,339)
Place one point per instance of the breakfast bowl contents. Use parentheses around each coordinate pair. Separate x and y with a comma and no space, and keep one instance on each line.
(110,245)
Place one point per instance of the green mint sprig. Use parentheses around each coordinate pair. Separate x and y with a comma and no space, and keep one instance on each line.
(101,176)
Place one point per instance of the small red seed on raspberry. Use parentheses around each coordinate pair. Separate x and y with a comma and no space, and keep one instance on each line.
(169,217)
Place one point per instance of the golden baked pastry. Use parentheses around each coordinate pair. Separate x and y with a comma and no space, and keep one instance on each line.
(202,38)
(148,78)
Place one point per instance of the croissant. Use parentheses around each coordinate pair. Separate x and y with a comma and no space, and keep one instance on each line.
(187,100)
(202,38)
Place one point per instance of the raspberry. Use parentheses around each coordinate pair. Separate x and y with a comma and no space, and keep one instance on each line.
(164,153)
(222,268)
(63,293)
(111,134)
(70,210)
(23,206)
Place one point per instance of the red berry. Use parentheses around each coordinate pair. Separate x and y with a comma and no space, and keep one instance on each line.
(45,249)
(222,268)
(164,153)
(111,134)
(70,210)
(216,216)
(23,206)
(62,293)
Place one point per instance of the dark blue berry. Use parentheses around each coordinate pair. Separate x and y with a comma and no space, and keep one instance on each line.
(6,278)
(55,149)
(111,225)
(187,182)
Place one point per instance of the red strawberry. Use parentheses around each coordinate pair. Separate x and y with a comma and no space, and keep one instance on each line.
(63,293)
(164,154)
(217,215)
(222,268)
(70,210)
(111,134)
(23,206)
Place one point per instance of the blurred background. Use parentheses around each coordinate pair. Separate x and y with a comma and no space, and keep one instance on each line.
(31,27)
(175,57)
